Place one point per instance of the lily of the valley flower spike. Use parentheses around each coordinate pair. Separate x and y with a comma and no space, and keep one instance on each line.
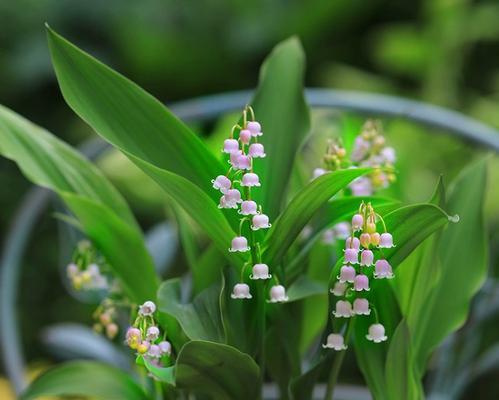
(243,148)
(353,281)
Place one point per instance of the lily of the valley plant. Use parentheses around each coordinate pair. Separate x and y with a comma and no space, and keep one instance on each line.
(283,274)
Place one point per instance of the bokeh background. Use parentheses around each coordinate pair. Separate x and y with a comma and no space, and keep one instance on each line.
(445,52)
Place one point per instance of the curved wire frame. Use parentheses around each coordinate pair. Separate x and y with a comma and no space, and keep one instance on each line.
(204,108)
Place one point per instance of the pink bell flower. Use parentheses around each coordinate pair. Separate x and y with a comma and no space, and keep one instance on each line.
(241,161)
(335,341)
(339,289)
(221,183)
(256,150)
(376,333)
(255,128)
(248,207)
(260,271)
(366,257)
(165,347)
(154,351)
(352,256)
(361,307)
(347,274)
(239,243)
(357,222)
(341,230)
(386,241)
(152,333)
(278,294)
(250,179)
(343,309)
(260,221)
(231,146)
(245,136)
(148,308)
(360,283)
(382,269)
(352,243)
(241,291)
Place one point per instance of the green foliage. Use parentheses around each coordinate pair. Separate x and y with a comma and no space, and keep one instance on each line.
(85,378)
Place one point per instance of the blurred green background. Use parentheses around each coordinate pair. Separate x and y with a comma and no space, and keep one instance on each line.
(442,51)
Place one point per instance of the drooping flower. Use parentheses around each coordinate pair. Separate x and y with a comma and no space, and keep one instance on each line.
(231,146)
(260,221)
(357,222)
(221,183)
(352,243)
(256,150)
(165,347)
(366,257)
(278,294)
(239,243)
(343,309)
(386,241)
(248,207)
(245,136)
(375,238)
(241,291)
(383,269)
(341,230)
(361,307)
(255,128)
(143,347)
(365,240)
(347,274)
(352,256)
(230,199)
(152,333)
(335,341)
(250,179)
(376,333)
(339,289)
(260,271)
(147,309)
(154,351)
(361,282)
(240,161)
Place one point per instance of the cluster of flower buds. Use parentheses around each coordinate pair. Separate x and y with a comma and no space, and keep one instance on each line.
(236,188)
(369,150)
(144,336)
(363,251)
(105,316)
(84,272)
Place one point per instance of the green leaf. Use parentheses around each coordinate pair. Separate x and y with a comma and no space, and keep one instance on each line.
(128,117)
(280,107)
(201,319)
(102,212)
(305,287)
(85,378)
(459,260)
(217,370)
(301,209)
(163,374)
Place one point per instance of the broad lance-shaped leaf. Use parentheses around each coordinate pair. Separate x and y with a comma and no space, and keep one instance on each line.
(128,117)
(432,317)
(218,371)
(104,215)
(302,208)
(201,319)
(280,107)
(87,379)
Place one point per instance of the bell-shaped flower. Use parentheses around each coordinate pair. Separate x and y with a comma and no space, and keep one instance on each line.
(255,128)
(245,136)
(341,230)
(376,333)
(335,341)
(388,155)
(386,241)
(239,243)
(339,289)
(248,207)
(133,337)
(361,307)
(260,221)
(278,294)
(343,309)
(375,238)
(231,146)
(152,333)
(357,222)
(240,161)
(241,291)
(148,308)
(360,149)
(256,150)
(143,347)
(366,257)
(360,283)
(365,240)
(347,274)
(165,347)
(230,199)
(154,351)
(221,183)
(352,256)
(383,269)
(352,243)
(250,179)
(260,271)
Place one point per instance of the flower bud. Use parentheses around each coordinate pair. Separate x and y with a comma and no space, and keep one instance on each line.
(111,330)
(370,227)
(143,347)
(365,240)
(245,136)
(375,238)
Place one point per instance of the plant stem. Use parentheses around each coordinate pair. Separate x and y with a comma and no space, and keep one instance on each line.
(338,361)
